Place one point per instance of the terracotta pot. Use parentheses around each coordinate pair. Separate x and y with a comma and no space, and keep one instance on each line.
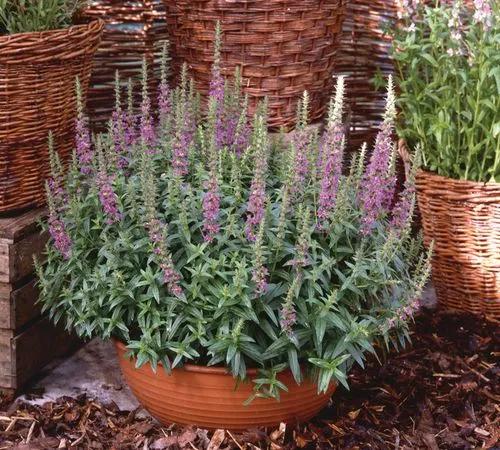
(209,397)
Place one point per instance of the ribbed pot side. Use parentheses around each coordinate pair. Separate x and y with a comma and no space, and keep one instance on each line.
(210,398)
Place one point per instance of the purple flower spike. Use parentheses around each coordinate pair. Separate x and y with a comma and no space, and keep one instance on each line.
(211,207)
(83,145)
(118,121)
(57,230)
(147,130)
(288,318)
(259,277)
(182,142)
(332,154)
(108,198)
(170,277)
(377,188)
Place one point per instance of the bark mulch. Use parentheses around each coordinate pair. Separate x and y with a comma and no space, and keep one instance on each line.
(442,393)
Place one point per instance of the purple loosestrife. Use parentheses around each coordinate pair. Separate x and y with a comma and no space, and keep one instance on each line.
(84,150)
(108,197)
(403,209)
(104,182)
(57,201)
(157,229)
(170,276)
(377,186)
(130,122)
(216,92)
(211,208)
(332,155)
(118,123)
(300,143)
(257,199)
(301,254)
(147,131)
(483,13)
(185,129)
(288,316)
(164,101)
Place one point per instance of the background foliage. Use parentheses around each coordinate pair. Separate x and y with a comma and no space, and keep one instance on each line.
(22,16)
(448,64)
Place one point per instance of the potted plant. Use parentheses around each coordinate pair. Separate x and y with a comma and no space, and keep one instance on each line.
(240,275)
(447,59)
(41,54)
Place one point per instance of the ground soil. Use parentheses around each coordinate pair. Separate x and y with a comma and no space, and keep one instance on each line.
(443,392)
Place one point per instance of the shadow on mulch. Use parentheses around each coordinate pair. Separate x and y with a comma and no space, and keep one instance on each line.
(442,393)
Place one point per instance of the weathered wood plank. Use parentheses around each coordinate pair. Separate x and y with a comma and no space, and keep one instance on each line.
(18,306)
(24,355)
(15,228)
(16,259)
(37,346)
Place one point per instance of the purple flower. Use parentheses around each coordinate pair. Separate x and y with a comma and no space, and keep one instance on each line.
(170,276)
(301,163)
(377,186)
(180,147)
(211,207)
(403,208)
(57,201)
(57,230)
(118,123)
(84,150)
(108,198)
(333,152)
(257,200)
(288,318)
(147,131)
(164,104)
(483,13)
(259,277)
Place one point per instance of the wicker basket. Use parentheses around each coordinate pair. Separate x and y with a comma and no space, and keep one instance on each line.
(363,55)
(283,48)
(463,219)
(133,30)
(37,95)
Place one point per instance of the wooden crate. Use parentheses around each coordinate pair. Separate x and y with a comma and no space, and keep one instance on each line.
(28,341)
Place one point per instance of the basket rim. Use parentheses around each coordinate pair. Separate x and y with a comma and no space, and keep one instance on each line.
(483,185)
(35,36)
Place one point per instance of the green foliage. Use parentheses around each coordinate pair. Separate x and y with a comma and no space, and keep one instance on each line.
(346,290)
(448,65)
(22,16)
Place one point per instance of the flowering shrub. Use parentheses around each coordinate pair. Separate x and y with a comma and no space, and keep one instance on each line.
(448,63)
(198,237)
(22,16)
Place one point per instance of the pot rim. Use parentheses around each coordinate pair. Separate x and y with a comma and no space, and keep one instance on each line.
(224,371)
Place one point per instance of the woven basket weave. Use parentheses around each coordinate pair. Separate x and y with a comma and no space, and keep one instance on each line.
(463,219)
(283,47)
(37,95)
(363,54)
(134,30)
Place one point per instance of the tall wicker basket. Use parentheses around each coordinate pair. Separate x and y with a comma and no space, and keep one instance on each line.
(463,219)
(37,95)
(134,30)
(283,48)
